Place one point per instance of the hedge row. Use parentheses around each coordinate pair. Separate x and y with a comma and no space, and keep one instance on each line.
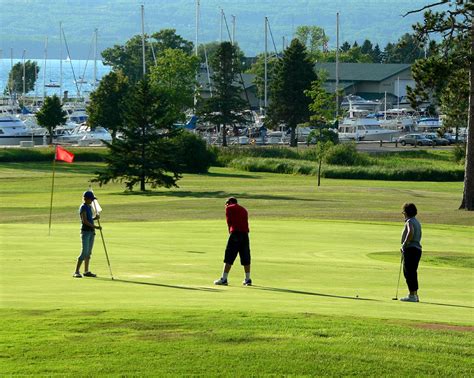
(81,154)
(344,172)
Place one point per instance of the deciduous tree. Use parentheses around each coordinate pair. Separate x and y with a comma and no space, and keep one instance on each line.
(15,77)
(106,102)
(51,115)
(449,75)
(175,73)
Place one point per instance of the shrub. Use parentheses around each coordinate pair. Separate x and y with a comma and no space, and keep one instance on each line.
(459,153)
(345,154)
(193,153)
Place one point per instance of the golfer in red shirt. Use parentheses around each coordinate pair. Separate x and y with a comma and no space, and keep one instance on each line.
(238,243)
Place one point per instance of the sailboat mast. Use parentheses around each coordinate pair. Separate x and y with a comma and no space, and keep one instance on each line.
(337,64)
(95,58)
(44,66)
(196,45)
(143,40)
(60,60)
(24,75)
(265,101)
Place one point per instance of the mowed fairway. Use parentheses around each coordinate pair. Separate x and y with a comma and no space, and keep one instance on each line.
(325,268)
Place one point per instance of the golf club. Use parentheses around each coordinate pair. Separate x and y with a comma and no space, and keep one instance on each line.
(103,242)
(399,273)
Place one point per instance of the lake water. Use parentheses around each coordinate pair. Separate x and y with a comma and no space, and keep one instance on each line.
(71,69)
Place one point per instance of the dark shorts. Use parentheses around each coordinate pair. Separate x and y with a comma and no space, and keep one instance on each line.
(238,243)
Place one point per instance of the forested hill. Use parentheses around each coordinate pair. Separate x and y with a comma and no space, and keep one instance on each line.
(26,23)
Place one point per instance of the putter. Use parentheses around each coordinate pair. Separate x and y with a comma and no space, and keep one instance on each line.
(399,273)
(103,243)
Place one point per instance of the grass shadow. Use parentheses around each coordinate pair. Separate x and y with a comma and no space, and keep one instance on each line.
(445,304)
(217,194)
(231,175)
(282,290)
(159,285)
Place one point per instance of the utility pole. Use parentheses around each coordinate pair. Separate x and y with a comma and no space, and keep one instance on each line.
(265,101)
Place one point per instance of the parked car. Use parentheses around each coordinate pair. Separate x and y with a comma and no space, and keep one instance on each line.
(452,138)
(415,140)
(437,140)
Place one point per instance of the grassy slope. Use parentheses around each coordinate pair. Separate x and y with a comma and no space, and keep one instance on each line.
(166,248)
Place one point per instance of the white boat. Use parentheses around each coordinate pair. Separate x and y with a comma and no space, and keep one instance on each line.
(428,124)
(83,135)
(397,119)
(360,126)
(52,84)
(13,132)
(357,102)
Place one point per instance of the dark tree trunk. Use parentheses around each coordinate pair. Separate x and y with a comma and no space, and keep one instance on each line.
(468,194)
(224,136)
(293,141)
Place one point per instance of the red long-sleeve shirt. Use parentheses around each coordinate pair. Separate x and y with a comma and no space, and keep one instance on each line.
(237,218)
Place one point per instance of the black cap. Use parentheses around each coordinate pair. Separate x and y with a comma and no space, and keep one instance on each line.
(89,194)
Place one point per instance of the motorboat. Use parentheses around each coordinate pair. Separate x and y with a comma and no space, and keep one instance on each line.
(83,135)
(357,102)
(361,125)
(13,132)
(428,124)
(400,119)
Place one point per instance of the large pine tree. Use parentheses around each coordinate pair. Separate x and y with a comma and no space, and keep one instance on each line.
(293,75)
(145,153)
(226,106)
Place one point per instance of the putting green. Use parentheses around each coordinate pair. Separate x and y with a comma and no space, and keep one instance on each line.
(299,266)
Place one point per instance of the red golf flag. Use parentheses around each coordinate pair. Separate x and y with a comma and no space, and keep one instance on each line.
(64,155)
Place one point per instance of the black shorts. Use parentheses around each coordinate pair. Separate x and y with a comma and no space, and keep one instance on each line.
(238,243)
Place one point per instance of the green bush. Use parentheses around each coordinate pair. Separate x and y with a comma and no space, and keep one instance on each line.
(345,154)
(226,154)
(287,166)
(459,153)
(393,174)
(193,153)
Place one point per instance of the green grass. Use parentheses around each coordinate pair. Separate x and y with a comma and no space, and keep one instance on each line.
(325,267)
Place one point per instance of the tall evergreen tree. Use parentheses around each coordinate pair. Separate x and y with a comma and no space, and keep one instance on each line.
(226,106)
(146,153)
(449,75)
(51,115)
(294,74)
(345,46)
(376,54)
(367,48)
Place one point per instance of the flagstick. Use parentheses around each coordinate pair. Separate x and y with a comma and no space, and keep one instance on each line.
(103,241)
(52,190)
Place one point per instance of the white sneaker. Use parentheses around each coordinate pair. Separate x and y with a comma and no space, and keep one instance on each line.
(221,281)
(410,298)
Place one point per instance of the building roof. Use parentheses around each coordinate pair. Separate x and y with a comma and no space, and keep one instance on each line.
(362,71)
